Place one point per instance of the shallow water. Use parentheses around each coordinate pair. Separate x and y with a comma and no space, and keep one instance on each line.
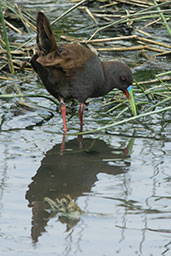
(119,178)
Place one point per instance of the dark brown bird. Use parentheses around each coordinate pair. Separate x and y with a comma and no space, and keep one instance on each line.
(73,71)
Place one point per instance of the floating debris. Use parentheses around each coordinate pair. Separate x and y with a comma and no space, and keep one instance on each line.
(65,207)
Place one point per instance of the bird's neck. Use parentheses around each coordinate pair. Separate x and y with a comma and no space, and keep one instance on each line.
(108,84)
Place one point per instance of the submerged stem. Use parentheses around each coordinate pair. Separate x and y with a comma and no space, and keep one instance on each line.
(123,121)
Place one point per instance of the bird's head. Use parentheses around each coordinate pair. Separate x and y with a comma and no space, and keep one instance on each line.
(122,79)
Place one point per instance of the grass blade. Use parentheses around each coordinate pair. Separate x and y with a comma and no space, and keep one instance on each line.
(163,18)
(11,67)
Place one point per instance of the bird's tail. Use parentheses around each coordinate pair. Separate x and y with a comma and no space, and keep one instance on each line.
(45,39)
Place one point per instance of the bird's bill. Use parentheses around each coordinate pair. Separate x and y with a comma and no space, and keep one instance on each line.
(130,97)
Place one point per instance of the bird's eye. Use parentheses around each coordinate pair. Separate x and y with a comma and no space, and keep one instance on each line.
(123,78)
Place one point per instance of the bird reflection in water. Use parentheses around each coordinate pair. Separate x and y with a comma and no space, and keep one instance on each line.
(73,173)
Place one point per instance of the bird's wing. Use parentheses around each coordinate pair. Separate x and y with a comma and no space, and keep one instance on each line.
(68,57)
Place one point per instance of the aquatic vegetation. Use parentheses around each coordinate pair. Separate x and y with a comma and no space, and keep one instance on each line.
(152,95)
(65,207)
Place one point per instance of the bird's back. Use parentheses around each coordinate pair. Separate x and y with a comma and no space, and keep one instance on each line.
(67,70)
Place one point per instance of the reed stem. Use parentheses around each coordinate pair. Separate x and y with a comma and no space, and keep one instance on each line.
(11,67)
(150,113)
(163,18)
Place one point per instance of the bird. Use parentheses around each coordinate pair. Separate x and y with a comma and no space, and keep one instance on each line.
(73,71)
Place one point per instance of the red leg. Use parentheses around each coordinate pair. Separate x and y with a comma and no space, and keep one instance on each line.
(62,148)
(81,113)
(63,112)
